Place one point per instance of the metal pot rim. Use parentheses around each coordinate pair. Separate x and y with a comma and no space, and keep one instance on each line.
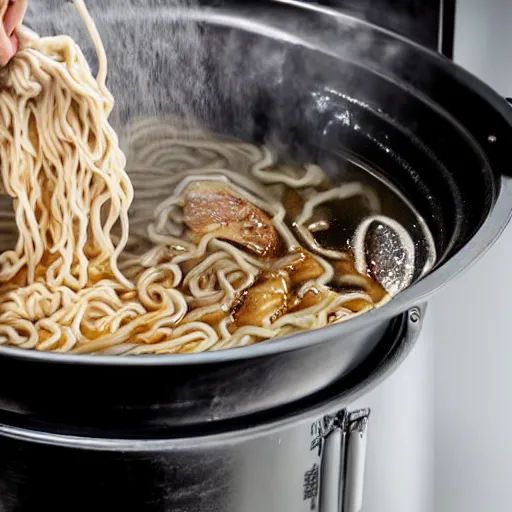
(416,294)
(329,402)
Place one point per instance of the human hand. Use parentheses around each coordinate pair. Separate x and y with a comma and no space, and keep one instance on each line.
(12,12)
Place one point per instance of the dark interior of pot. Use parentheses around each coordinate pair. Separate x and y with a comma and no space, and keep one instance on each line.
(310,87)
(314,87)
(309,105)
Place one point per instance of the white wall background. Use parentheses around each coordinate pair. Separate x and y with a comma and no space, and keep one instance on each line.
(483,41)
(473,320)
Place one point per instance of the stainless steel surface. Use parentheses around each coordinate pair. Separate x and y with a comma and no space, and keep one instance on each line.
(273,466)
(268,472)
(355,462)
(344,455)
(331,480)
(276,469)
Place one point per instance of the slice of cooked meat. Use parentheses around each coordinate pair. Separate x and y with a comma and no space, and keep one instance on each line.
(265,301)
(300,266)
(346,276)
(211,206)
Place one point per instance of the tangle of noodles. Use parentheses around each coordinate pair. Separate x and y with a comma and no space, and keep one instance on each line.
(75,280)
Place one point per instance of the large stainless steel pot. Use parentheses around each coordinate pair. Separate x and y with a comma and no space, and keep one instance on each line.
(309,80)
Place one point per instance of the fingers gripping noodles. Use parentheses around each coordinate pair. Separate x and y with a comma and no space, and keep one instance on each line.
(218,256)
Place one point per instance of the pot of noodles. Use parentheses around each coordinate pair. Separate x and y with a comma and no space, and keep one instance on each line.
(220,223)
(237,213)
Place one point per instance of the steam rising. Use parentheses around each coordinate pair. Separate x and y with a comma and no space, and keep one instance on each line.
(164,65)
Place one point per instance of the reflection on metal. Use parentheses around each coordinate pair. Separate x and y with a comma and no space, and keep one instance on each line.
(343,448)
(355,461)
(332,464)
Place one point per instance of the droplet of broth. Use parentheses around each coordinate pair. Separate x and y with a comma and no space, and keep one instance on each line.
(389,257)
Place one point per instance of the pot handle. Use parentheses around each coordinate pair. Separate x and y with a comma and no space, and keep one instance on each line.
(343,462)
(355,461)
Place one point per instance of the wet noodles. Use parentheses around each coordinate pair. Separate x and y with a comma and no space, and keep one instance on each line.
(216,248)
